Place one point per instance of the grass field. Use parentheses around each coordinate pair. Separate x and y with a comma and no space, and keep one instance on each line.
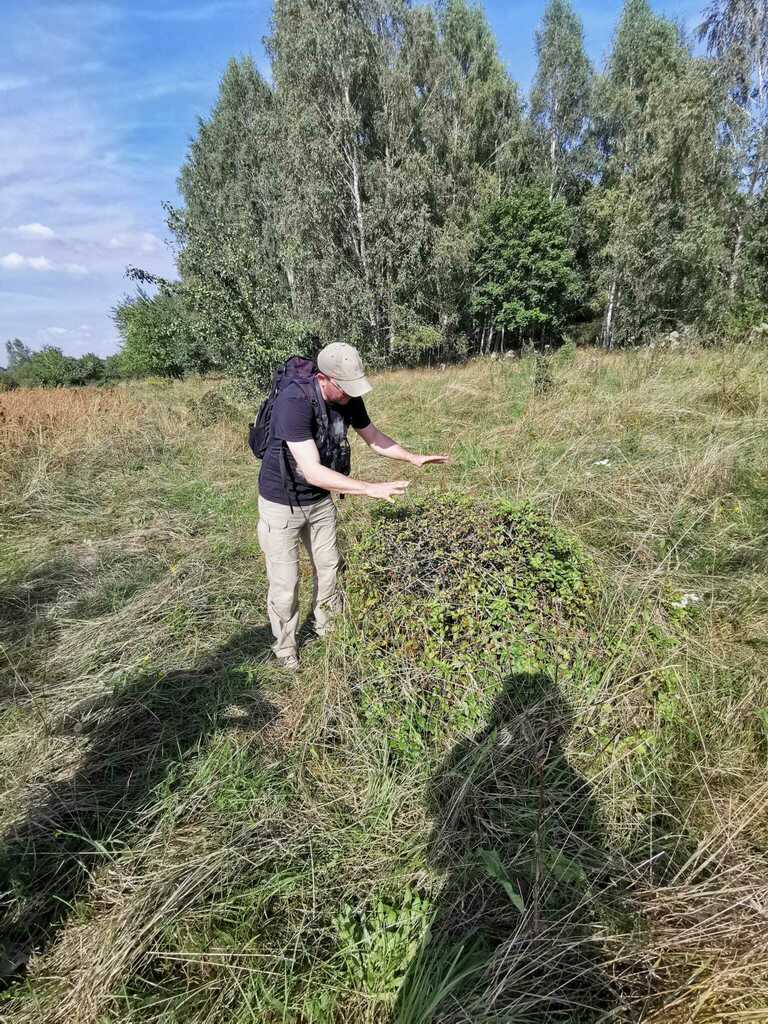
(513,791)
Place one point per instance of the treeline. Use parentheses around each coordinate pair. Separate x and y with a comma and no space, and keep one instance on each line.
(391,187)
(49,367)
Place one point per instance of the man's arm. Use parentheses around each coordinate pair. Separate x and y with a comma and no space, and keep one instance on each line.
(383,445)
(315,473)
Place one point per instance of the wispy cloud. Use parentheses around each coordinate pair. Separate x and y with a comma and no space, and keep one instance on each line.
(144,242)
(9,82)
(15,261)
(35,230)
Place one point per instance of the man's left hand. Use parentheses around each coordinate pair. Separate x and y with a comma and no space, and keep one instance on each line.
(423,460)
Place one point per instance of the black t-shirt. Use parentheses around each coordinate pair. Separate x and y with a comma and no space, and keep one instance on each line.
(293,419)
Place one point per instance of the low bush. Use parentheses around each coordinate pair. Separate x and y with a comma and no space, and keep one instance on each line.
(7,382)
(455,594)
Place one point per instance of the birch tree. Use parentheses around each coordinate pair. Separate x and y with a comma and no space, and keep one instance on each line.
(736,31)
(560,101)
(659,216)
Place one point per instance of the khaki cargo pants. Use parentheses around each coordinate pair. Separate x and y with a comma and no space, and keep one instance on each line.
(280,531)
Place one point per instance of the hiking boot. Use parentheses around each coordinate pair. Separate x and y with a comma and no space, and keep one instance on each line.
(289,662)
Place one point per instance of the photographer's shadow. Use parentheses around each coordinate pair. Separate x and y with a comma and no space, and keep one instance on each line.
(529,884)
(134,737)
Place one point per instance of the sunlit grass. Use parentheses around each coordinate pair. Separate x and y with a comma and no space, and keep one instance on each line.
(232,845)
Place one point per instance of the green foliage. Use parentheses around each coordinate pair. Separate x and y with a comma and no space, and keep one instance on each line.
(337,199)
(418,345)
(527,280)
(454,594)
(49,367)
(113,368)
(378,946)
(233,292)
(737,34)
(353,190)
(16,353)
(7,381)
(561,100)
(664,126)
(753,268)
(155,334)
(543,376)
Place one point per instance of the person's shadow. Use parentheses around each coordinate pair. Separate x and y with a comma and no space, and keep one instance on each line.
(529,883)
(133,736)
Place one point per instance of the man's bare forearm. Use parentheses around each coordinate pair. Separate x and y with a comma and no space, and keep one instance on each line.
(390,449)
(315,473)
(330,480)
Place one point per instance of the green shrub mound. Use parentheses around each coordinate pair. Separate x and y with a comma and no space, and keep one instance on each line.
(454,595)
(211,408)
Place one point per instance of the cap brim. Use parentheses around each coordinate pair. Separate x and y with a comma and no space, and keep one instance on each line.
(355,388)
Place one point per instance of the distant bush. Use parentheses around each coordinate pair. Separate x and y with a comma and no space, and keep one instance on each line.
(113,368)
(154,335)
(543,377)
(416,345)
(49,367)
(212,408)
(7,381)
(746,321)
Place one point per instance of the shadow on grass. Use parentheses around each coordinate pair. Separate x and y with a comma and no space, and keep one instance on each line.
(133,738)
(24,602)
(529,884)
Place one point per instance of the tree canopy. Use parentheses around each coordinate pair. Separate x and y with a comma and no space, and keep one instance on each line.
(364,190)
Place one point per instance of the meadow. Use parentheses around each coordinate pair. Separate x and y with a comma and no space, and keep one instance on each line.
(524,781)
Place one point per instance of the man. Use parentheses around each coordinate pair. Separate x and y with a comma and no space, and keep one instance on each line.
(296,505)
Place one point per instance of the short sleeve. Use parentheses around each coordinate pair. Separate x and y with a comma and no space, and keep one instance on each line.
(357,414)
(292,418)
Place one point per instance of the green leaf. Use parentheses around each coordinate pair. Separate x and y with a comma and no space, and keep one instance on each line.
(491,862)
(565,868)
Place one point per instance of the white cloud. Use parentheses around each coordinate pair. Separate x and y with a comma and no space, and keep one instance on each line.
(12,261)
(39,263)
(56,330)
(79,152)
(145,242)
(15,261)
(35,230)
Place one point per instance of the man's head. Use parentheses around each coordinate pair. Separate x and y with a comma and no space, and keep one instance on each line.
(341,373)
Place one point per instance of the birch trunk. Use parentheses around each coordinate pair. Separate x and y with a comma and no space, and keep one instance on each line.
(609,314)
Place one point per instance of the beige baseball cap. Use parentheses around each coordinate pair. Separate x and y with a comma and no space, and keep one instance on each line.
(342,362)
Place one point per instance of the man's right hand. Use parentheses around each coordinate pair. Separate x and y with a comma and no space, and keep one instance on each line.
(387,491)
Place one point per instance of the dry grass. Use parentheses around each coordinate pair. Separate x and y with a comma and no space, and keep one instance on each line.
(224,840)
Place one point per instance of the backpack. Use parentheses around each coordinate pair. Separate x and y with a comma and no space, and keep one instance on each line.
(331,435)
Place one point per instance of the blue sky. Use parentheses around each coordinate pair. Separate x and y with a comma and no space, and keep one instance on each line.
(98,101)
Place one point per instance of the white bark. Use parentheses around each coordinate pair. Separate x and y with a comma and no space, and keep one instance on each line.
(609,314)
